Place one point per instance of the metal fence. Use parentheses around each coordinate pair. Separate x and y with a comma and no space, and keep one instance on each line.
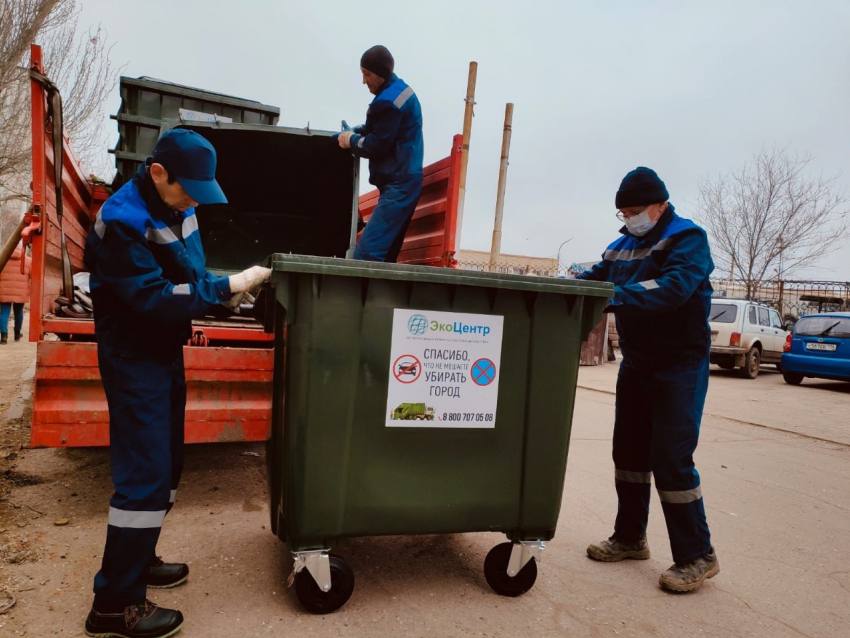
(792,298)
(513,267)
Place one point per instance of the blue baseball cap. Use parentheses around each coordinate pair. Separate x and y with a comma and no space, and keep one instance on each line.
(190,159)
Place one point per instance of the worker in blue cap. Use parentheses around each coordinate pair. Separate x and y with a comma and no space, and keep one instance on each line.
(660,267)
(391,139)
(148,281)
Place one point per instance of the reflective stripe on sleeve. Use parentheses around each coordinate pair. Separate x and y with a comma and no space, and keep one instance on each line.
(635,253)
(649,284)
(161,235)
(680,496)
(99,226)
(135,519)
(190,225)
(181,289)
(403,97)
(627,476)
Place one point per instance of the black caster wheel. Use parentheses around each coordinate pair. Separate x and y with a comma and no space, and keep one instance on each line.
(317,601)
(496,572)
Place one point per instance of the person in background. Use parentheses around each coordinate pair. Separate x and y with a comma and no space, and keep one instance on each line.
(14,293)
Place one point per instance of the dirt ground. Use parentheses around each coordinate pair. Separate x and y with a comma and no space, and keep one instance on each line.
(775,462)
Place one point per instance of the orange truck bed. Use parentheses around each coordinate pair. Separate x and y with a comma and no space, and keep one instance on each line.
(229,382)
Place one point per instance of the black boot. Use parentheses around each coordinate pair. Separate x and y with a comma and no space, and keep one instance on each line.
(144,620)
(4,339)
(166,575)
(17,336)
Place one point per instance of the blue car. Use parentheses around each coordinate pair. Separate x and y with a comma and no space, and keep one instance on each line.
(818,347)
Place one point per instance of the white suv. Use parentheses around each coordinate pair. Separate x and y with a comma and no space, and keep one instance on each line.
(745,334)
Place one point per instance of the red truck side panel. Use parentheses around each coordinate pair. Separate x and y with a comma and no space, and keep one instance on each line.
(228,395)
(432,233)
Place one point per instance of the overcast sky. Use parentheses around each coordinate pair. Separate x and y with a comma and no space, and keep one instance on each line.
(692,89)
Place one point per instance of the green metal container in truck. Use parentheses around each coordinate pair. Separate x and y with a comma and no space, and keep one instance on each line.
(493,359)
(147,104)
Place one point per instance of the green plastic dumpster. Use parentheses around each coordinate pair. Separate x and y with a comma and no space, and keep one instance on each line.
(491,359)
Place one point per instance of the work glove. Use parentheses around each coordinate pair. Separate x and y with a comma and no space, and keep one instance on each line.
(344,139)
(234,301)
(249,279)
(238,302)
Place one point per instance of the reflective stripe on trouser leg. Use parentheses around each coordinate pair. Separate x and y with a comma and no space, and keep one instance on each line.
(632,478)
(389,220)
(677,403)
(139,394)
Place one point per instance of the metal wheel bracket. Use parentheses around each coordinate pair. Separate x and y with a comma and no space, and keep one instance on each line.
(522,552)
(317,563)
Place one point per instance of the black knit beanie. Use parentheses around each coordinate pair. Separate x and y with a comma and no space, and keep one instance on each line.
(641,187)
(378,60)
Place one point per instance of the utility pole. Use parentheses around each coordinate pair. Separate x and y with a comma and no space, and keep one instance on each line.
(468,114)
(496,246)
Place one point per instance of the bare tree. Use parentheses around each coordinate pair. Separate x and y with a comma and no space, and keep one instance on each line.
(78,62)
(770,218)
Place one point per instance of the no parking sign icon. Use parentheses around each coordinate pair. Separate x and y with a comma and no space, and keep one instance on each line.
(483,371)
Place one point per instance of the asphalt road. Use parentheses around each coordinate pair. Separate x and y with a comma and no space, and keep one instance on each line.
(775,464)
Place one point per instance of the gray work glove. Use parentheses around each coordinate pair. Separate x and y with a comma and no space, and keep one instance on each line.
(235,300)
(249,279)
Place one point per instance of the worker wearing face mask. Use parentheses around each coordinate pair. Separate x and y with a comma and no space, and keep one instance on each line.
(660,267)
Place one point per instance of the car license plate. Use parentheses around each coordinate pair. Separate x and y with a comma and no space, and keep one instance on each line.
(825,347)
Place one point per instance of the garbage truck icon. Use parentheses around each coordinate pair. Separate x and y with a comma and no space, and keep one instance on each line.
(413,412)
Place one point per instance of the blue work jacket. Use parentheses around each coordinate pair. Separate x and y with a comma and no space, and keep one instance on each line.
(391,138)
(662,293)
(148,275)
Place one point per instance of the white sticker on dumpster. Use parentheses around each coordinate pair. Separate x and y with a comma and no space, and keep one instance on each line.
(444,370)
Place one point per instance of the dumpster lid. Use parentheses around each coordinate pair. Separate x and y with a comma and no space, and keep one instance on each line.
(377,270)
(183,90)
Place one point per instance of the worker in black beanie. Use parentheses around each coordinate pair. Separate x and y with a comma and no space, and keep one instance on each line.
(660,267)
(391,139)
(378,60)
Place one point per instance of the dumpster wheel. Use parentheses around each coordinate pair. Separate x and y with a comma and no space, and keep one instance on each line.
(316,601)
(497,568)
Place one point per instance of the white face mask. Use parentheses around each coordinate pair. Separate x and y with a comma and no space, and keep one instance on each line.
(640,224)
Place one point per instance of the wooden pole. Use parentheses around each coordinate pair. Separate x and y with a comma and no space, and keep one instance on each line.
(468,114)
(11,243)
(496,246)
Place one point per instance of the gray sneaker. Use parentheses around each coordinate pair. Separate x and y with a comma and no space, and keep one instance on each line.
(690,577)
(613,550)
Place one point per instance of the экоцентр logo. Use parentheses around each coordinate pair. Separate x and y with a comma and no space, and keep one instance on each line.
(417,325)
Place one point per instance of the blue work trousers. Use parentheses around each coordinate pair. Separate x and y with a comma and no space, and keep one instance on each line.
(147,404)
(656,431)
(383,236)
(5,310)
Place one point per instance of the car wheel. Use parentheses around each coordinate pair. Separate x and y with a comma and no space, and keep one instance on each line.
(752,362)
(792,378)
